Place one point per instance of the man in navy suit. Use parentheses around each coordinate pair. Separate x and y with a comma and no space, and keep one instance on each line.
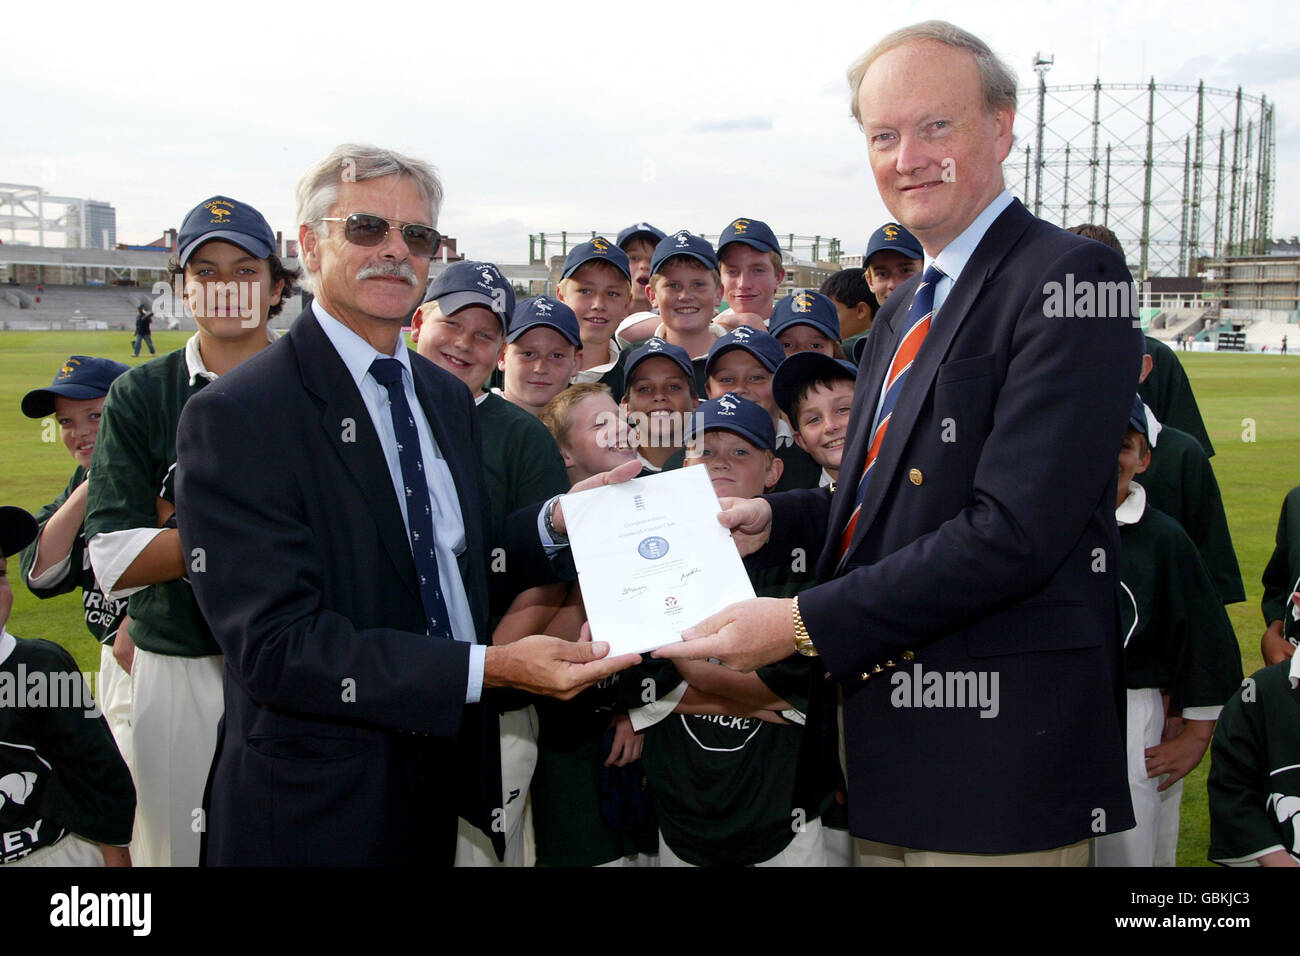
(969,607)
(329,500)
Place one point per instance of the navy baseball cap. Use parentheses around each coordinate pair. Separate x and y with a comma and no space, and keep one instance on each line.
(732,413)
(543,310)
(801,368)
(683,243)
(806,308)
(642,230)
(1137,416)
(894,237)
(658,348)
(468,283)
(598,249)
(761,345)
(223,218)
(752,232)
(80,378)
(17,530)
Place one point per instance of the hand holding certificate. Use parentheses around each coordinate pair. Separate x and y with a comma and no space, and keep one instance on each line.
(652,558)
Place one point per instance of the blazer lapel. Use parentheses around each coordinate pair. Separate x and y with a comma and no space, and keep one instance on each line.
(866,396)
(351,433)
(992,249)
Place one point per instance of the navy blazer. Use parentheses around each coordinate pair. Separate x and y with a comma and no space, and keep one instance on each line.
(987,546)
(346,737)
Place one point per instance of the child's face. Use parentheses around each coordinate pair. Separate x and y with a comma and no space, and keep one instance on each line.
(686,295)
(639,254)
(887,270)
(598,294)
(659,393)
(823,423)
(737,468)
(466,343)
(804,338)
(599,438)
(538,366)
(749,279)
(1133,460)
(79,426)
(230,291)
(739,372)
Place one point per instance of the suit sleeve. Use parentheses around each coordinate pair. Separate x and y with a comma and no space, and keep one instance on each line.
(1046,464)
(262,585)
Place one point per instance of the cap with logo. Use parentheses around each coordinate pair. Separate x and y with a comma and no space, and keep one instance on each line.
(801,368)
(548,312)
(806,308)
(895,238)
(639,230)
(224,218)
(17,530)
(80,378)
(732,413)
(598,249)
(683,243)
(468,283)
(752,232)
(658,348)
(761,345)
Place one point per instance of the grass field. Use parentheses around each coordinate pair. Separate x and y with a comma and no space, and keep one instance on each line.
(1251,406)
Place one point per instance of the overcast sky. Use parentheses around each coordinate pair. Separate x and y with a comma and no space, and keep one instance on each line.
(556,115)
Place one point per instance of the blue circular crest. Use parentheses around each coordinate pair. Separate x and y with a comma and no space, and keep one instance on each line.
(652,548)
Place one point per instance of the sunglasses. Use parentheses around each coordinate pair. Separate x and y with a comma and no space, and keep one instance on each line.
(363,229)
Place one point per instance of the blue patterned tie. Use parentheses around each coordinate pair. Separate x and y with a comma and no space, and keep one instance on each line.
(419,512)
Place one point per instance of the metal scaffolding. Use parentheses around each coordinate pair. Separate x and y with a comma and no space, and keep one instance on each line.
(1158,160)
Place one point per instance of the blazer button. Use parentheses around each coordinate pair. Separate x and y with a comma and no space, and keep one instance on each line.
(915,476)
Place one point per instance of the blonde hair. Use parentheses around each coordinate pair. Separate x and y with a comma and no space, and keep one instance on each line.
(555,415)
(997,80)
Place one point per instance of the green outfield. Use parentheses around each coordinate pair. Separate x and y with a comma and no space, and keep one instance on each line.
(1251,405)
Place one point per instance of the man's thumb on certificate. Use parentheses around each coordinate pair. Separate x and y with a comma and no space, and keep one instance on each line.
(743,636)
(624,472)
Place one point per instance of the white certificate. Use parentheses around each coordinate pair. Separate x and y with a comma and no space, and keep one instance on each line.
(652,558)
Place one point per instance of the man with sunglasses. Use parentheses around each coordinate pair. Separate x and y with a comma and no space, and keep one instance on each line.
(334,485)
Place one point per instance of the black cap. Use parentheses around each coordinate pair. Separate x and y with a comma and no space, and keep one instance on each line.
(17,530)
(803,367)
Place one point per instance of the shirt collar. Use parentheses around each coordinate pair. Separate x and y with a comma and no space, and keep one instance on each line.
(7,645)
(952,259)
(1153,425)
(481,397)
(356,352)
(194,358)
(1132,508)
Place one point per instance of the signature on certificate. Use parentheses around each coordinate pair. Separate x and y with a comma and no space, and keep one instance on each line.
(686,575)
(631,592)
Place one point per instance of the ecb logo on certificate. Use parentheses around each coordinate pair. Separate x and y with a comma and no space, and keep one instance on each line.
(652,548)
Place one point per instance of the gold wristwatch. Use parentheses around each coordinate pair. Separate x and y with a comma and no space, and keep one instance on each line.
(802,642)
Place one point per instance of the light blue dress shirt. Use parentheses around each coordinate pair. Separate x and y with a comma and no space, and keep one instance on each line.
(448,524)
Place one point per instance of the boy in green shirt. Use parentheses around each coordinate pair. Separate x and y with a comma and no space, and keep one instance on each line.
(234,282)
(57,561)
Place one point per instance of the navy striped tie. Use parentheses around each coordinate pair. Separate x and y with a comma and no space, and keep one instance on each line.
(419,511)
